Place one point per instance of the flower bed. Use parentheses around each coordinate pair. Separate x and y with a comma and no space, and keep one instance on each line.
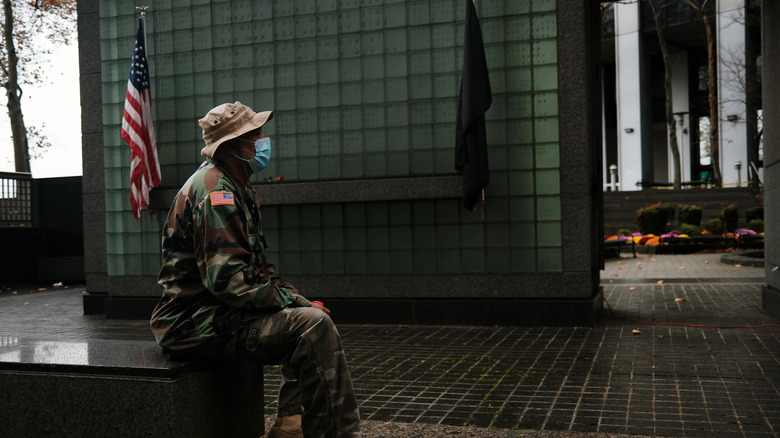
(675,242)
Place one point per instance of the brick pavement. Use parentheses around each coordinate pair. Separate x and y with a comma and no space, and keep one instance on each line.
(667,370)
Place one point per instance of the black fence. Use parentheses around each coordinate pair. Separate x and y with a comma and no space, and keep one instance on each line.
(15,200)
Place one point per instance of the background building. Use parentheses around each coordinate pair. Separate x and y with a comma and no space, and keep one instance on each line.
(636,139)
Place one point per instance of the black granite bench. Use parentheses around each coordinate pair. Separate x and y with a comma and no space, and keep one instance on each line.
(616,245)
(99,388)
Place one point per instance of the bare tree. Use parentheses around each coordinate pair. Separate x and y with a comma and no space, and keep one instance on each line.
(671,122)
(699,6)
(24,23)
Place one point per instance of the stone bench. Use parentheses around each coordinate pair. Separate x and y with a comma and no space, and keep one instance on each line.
(100,388)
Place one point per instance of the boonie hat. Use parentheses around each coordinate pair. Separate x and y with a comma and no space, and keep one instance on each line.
(228,121)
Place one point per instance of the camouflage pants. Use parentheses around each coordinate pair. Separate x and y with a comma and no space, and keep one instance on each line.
(315,377)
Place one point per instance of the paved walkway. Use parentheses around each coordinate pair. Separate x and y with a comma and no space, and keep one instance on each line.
(663,364)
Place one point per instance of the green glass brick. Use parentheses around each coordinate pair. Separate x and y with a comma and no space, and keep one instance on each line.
(443,60)
(397,163)
(518,28)
(423,261)
(305,26)
(306,97)
(521,183)
(284,29)
(312,239)
(289,238)
(333,262)
(200,15)
(419,38)
(492,31)
(546,129)
(496,132)
(355,262)
(521,157)
(546,104)
(448,261)
(518,54)
(352,166)
(443,137)
(498,260)
(543,5)
(396,89)
(350,70)
(115,264)
(547,156)
(448,236)
(520,131)
(284,53)
(372,43)
(349,21)
(373,67)
(523,259)
(442,161)
(355,238)
(545,52)
(352,141)
(550,260)
(544,26)
(422,162)
(327,24)
(375,164)
(418,12)
(424,236)
(377,238)
(378,262)
(371,18)
(442,11)
(522,235)
(373,91)
(420,87)
(395,65)
(285,99)
(443,36)
(305,51)
(472,260)
(446,85)
(397,114)
(548,182)
(548,234)
(518,80)
(330,167)
(549,208)
(327,48)
(287,168)
(290,262)
(419,62)
(307,145)
(327,72)
(263,31)
(444,111)
(263,55)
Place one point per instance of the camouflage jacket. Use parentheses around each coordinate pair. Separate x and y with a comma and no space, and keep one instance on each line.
(212,272)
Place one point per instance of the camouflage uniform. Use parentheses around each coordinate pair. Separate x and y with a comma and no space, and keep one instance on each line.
(220,298)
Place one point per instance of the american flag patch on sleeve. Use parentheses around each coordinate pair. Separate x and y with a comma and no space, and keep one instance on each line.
(222,198)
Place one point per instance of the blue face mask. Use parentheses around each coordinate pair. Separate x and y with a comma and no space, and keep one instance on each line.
(262,154)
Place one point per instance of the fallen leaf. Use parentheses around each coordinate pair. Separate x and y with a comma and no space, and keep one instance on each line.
(706,262)
(614,275)
(737,265)
(26,303)
(682,267)
(16,292)
(660,282)
(622,268)
(652,259)
(677,300)
(619,263)
(41,288)
(632,288)
(636,332)
(660,336)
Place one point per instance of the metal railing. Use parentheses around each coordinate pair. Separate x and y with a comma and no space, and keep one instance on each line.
(15,199)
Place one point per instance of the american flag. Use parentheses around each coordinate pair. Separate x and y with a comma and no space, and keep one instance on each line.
(137,128)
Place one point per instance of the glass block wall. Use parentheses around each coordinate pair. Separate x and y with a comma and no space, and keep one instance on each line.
(361,89)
